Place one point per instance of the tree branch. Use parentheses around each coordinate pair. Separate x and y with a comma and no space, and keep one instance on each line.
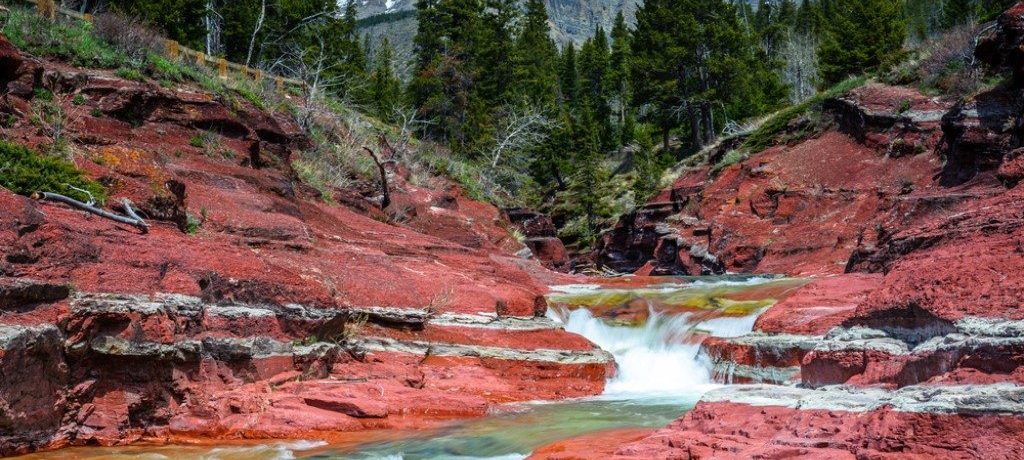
(134,220)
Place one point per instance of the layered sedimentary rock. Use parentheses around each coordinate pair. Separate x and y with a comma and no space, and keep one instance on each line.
(912,345)
(251,308)
(541,237)
(797,209)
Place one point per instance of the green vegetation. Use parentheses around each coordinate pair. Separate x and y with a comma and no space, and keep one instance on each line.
(860,35)
(25,172)
(69,40)
(766,134)
(583,132)
(130,74)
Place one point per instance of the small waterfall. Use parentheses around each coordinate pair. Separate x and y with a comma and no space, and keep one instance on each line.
(661,357)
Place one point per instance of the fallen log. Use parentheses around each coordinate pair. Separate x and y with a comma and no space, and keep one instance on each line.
(132,218)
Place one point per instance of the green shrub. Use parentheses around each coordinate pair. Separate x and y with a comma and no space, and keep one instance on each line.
(66,39)
(766,135)
(24,172)
(732,157)
(130,74)
(162,68)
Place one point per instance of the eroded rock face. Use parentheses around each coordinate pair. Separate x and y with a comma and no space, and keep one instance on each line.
(913,348)
(281,316)
(541,237)
(797,209)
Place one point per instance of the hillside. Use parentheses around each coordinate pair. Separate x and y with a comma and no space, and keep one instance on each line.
(906,209)
(705,235)
(236,310)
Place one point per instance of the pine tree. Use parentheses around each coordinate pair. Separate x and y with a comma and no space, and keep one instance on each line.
(590,179)
(447,43)
(618,79)
(593,72)
(691,58)
(175,17)
(535,59)
(957,12)
(807,18)
(568,77)
(386,88)
(549,161)
(861,35)
(493,57)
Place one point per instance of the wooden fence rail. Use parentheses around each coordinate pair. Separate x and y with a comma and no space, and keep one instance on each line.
(175,50)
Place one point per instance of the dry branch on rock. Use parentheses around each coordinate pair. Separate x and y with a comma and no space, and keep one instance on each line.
(132,219)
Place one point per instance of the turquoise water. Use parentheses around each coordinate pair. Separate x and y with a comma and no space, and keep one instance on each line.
(515,435)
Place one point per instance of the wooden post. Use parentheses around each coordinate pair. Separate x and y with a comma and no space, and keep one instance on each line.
(257,75)
(87,17)
(47,9)
(279,84)
(222,68)
(200,58)
(173,49)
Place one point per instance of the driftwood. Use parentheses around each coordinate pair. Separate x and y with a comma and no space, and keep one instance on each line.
(386,199)
(132,219)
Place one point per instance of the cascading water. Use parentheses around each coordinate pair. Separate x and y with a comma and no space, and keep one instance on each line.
(660,375)
(659,359)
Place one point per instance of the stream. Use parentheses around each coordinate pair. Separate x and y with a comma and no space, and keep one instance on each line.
(654,333)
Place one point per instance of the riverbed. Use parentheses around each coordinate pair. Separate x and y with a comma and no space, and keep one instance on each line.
(653,331)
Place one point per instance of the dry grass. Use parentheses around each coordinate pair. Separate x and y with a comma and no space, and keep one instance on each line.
(131,36)
(944,64)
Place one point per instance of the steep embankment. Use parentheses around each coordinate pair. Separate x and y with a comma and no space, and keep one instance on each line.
(251,308)
(914,346)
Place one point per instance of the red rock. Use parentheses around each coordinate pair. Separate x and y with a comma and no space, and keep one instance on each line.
(356,407)
(550,251)
(816,308)
(10,62)
(594,445)
(235,360)
(730,430)
(1011,171)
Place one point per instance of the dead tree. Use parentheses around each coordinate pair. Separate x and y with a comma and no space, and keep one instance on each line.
(385,194)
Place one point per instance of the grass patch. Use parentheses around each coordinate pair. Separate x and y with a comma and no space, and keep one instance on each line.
(766,135)
(132,74)
(730,158)
(65,39)
(24,172)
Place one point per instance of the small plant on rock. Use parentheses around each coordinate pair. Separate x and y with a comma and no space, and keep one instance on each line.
(25,172)
(130,74)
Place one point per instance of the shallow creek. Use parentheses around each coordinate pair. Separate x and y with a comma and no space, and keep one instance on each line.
(654,333)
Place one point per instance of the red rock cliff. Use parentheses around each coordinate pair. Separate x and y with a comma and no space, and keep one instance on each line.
(282,316)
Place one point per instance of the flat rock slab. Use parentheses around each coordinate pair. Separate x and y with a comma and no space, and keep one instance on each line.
(355,407)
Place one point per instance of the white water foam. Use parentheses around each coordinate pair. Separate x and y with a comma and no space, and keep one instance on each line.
(661,358)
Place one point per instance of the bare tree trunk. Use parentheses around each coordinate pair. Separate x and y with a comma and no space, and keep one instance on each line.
(386,198)
(696,134)
(256,30)
(708,119)
(212,21)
